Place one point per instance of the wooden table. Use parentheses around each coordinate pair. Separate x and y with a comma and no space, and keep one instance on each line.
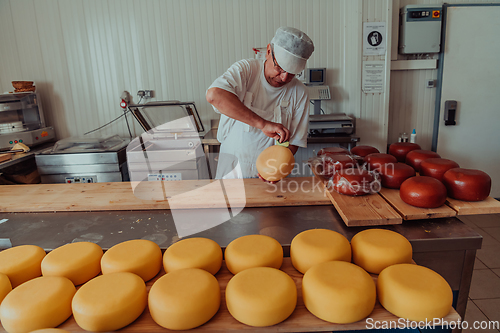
(186,194)
(301,320)
(115,215)
(383,208)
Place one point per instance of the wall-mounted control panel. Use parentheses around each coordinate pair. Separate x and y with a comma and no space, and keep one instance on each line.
(420,29)
(168,177)
(81,179)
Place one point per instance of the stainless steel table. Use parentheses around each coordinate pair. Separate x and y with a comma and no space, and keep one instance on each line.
(22,158)
(447,245)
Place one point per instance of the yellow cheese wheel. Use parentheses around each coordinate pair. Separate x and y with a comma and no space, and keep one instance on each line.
(201,253)
(109,302)
(315,246)
(253,251)
(21,263)
(79,262)
(261,296)
(5,286)
(376,249)
(414,292)
(275,163)
(338,292)
(139,256)
(184,299)
(39,303)
(50,330)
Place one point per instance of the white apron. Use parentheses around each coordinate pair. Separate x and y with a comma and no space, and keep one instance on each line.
(241,144)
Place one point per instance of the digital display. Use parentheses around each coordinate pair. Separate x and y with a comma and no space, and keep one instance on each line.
(316,75)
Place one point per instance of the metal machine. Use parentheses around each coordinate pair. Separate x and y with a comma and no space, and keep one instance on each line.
(171,147)
(22,120)
(84,160)
(325,125)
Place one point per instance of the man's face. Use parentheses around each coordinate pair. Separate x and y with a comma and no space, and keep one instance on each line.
(273,73)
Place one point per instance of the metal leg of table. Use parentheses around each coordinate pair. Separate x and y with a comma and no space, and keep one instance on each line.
(465,281)
(206,149)
(456,267)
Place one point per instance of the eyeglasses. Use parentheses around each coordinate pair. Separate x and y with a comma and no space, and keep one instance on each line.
(277,68)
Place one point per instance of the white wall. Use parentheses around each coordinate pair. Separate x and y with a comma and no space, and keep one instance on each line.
(83,53)
(412,104)
(373,122)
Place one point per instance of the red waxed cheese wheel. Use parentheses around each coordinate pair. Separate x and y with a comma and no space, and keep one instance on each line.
(423,192)
(394,174)
(467,184)
(364,150)
(355,182)
(376,160)
(436,167)
(335,163)
(400,149)
(415,157)
(332,151)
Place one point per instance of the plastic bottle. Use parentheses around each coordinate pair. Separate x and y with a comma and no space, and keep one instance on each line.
(413,136)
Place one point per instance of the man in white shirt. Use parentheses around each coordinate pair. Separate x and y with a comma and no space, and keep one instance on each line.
(261,101)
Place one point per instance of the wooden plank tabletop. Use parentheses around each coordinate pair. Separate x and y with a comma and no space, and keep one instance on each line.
(301,320)
(364,210)
(487,206)
(161,195)
(409,212)
(5,157)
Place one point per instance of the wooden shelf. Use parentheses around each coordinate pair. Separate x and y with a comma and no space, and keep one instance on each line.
(397,65)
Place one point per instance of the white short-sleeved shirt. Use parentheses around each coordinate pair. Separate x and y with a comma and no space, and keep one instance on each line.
(288,105)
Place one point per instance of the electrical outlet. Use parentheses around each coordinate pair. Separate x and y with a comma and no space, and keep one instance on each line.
(431,83)
(145,93)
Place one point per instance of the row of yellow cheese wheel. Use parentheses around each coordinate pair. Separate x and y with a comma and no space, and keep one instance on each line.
(333,288)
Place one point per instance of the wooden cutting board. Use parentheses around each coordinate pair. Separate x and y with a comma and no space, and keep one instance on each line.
(409,212)
(364,210)
(488,206)
(161,195)
(301,320)
(5,157)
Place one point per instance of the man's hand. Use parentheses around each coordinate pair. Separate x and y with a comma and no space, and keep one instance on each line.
(276,131)
(229,104)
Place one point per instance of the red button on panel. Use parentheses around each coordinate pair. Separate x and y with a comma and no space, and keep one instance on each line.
(15,141)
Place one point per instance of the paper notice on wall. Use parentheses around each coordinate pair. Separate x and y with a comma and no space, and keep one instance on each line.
(374,38)
(373,76)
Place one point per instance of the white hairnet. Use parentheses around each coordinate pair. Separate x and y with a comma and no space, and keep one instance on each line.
(292,48)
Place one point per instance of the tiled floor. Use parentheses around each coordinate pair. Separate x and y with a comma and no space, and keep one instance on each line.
(484,295)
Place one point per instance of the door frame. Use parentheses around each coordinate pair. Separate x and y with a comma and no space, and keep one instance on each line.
(439,86)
